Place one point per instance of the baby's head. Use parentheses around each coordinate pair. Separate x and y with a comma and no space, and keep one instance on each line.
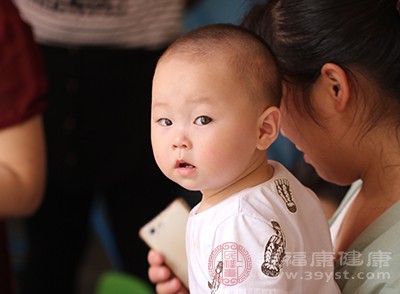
(214,106)
(244,55)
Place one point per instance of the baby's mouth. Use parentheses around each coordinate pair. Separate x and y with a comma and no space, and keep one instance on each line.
(183,164)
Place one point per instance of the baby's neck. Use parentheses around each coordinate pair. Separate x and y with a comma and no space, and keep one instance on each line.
(262,173)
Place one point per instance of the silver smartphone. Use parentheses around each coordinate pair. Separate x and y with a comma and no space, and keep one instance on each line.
(165,233)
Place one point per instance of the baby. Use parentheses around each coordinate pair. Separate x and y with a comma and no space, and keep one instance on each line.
(257,229)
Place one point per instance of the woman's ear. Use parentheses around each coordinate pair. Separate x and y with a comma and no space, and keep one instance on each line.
(335,79)
(268,127)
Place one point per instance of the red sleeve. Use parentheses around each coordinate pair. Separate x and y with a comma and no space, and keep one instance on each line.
(22,77)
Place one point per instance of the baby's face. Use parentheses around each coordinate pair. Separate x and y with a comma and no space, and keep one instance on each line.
(204,124)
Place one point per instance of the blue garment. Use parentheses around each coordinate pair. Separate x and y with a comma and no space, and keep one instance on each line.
(214,11)
(285,152)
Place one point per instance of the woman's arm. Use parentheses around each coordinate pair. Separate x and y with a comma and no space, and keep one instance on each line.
(22,167)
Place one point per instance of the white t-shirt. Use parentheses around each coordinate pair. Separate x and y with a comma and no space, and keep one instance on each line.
(271,238)
(120,23)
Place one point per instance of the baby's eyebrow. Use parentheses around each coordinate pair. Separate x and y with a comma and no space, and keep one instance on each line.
(196,99)
(159,104)
(200,99)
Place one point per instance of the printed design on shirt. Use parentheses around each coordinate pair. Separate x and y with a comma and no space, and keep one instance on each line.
(274,252)
(216,280)
(229,264)
(285,192)
(93,7)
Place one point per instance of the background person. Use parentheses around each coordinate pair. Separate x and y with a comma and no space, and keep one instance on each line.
(22,150)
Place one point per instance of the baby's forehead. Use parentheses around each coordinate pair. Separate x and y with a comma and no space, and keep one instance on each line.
(200,55)
(224,63)
(200,79)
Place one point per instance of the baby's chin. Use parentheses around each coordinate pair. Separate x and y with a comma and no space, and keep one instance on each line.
(189,187)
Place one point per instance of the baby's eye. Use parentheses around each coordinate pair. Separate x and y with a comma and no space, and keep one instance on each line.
(202,120)
(165,122)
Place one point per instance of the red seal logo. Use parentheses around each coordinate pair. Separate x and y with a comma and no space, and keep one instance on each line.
(230,263)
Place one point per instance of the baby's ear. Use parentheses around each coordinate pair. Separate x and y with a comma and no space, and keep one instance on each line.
(268,126)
